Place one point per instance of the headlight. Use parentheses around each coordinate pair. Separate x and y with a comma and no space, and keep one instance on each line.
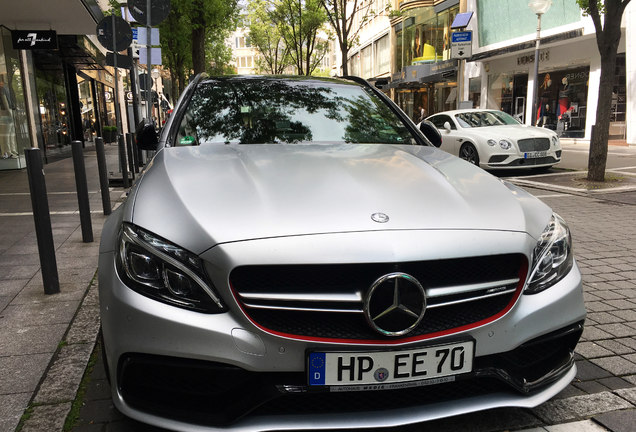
(552,257)
(555,140)
(505,144)
(491,142)
(165,272)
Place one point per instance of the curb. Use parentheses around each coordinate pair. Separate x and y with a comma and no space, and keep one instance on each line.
(54,398)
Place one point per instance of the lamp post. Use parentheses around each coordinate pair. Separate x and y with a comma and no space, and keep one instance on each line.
(539,7)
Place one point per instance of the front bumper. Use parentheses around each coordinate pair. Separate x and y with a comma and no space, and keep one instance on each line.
(505,161)
(217,395)
(189,371)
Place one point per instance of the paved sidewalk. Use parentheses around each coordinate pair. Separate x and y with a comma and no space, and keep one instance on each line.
(45,341)
(38,354)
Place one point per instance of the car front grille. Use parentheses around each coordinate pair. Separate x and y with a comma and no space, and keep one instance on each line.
(534,144)
(327,301)
(532,161)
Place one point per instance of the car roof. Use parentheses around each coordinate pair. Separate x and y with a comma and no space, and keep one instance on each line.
(467,110)
(300,79)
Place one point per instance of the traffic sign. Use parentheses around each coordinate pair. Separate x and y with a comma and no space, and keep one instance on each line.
(159,10)
(462,44)
(114,33)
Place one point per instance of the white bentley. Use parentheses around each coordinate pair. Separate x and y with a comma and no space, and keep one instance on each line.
(493,139)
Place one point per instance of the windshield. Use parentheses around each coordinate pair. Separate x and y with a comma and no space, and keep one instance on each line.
(254,111)
(485,118)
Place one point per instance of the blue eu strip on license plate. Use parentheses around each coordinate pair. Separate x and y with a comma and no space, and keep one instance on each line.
(317,362)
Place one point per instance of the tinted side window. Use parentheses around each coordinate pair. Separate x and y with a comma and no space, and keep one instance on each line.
(439,121)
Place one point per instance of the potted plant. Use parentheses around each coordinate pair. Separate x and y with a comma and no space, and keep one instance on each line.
(110,133)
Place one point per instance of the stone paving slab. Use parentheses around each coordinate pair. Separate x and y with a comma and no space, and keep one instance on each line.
(47,418)
(580,426)
(618,421)
(11,408)
(565,410)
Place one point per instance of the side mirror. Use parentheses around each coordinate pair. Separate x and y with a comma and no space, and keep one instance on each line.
(431,133)
(447,126)
(146,134)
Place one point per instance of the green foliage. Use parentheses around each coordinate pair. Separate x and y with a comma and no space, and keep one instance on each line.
(264,34)
(299,23)
(114,8)
(196,29)
(585,6)
(220,55)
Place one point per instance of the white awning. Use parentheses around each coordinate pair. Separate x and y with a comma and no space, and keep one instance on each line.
(77,17)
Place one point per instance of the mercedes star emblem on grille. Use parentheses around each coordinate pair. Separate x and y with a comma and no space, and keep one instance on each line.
(379,217)
(395,304)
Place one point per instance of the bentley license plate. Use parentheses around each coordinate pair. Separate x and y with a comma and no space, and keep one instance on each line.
(536,154)
(376,370)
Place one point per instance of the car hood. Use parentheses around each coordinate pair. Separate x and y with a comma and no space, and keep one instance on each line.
(515,132)
(202,196)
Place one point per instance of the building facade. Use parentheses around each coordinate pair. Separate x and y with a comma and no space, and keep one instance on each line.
(405,47)
(500,73)
(55,87)
(243,54)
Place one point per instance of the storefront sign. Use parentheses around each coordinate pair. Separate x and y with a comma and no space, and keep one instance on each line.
(527,59)
(444,66)
(34,39)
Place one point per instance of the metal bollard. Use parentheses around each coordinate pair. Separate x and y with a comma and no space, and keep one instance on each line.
(129,152)
(122,160)
(135,152)
(82,191)
(42,219)
(103,174)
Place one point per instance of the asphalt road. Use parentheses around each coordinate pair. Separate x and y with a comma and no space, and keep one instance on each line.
(575,157)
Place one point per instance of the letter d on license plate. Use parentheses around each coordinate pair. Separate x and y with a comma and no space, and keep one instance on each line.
(383,367)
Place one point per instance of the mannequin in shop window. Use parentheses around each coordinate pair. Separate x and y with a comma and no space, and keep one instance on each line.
(8,144)
(563,106)
(546,118)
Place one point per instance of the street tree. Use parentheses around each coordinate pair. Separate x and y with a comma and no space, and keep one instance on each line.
(176,47)
(608,35)
(208,19)
(342,24)
(265,35)
(301,24)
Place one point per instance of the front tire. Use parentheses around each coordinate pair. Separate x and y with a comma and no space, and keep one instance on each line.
(468,152)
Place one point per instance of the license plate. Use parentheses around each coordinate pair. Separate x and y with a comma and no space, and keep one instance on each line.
(536,154)
(390,369)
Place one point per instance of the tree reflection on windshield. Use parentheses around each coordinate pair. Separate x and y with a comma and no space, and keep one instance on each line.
(271,110)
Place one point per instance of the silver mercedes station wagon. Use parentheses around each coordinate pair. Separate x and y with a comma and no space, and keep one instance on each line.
(298,255)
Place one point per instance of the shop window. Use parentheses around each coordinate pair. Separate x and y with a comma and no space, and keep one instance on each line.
(562,100)
(618,127)
(382,55)
(507,92)
(474,91)
(14,134)
(426,36)
(366,62)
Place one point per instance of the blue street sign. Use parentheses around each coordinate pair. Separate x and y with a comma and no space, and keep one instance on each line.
(465,36)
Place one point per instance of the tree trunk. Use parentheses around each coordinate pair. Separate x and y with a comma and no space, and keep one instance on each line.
(598,145)
(198,37)
(198,49)
(608,36)
(344,49)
